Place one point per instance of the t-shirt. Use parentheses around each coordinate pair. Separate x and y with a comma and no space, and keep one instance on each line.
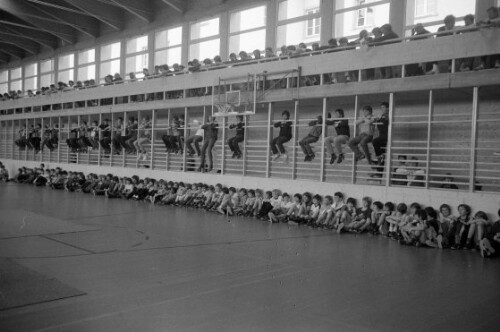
(285,128)
(382,124)
(364,214)
(275,202)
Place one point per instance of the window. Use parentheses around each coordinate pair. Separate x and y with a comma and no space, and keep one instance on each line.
(110,60)
(137,56)
(86,65)
(204,39)
(432,12)
(298,21)
(168,47)
(314,24)
(31,77)
(353,16)
(47,73)
(4,81)
(247,30)
(66,68)
(425,8)
(16,82)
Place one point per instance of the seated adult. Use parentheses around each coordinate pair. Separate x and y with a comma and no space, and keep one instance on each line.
(387,37)
(446,30)
(492,61)
(418,33)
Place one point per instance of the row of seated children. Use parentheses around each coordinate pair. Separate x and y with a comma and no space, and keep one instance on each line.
(413,225)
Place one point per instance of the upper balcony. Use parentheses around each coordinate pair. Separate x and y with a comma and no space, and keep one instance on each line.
(183,89)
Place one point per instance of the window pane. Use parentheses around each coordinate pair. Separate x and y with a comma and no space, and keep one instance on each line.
(248,19)
(295,8)
(205,29)
(109,68)
(350,23)
(30,84)
(207,49)
(4,77)
(248,42)
(343,4)
(66,61)
(46,80)
(139,44)
(168,38)
(16,85)
(15,73)
(169,56)
(30,70)
(46,66)
(136,63)
(295,33)
(86,73)
(419,11)
(4,88)
(86,56)
(110,51)
(66,75)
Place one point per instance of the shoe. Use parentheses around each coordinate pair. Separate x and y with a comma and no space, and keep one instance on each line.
(239,155)
(371,162)
(234,155)
(439,240)
(307,158)
(333,158)
(340,158)
(469,245)
(311,157)
(139,156)
(285,158)
(275,157)
(456,247)
(359,157)
(144,156)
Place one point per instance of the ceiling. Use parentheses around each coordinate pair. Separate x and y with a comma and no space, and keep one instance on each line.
(28,27)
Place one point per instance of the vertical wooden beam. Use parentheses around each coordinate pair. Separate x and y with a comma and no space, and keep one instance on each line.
(223,154)
(124,152)
(269,133)
(99,151)
(271,23)
(473,140)
(429,136)
(59,140)
(355,132)
(326,12)
(224,35)
(245,137)
(294,139)
(153,124)
(388,150)
(323,133)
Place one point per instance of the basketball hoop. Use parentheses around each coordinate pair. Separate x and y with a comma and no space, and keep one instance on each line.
(223,108)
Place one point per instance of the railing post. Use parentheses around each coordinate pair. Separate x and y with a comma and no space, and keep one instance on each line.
(475,110)
(99,158)
(323,133)
(268,147)
(124,152)
(26,135)
(153,123)
(183,148)
(138,160)
(168,132)
(13,139)
(113,133)
(294,139)
(429,133)
(388,149)
(355,132)
(222,153)
(245,136)
(59,140)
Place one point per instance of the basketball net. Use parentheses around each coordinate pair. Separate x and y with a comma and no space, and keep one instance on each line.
(224,108)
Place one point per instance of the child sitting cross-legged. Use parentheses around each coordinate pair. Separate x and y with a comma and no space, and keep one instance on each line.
(280,213)
(398,218)
(266,205)
(347,216)
(363,217)
(325,213)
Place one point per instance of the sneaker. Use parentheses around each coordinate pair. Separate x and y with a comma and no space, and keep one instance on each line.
(144,157)
(311,157)
(340,158)
(285,158)
(439,240)
(307,158)
(275,157)
(340,227)
(139,156)
(333,158)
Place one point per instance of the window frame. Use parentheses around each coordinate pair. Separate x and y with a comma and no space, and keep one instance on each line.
(196,41)
(255,29)
(68,69)
(169,47)
(35,76)
(135,54)
(102,62)
(298,19)
(79,65)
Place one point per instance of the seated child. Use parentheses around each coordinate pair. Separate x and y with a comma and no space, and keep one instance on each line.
(446,225)
(325,213)
(347,216)
(398,218)
(490,244)
(266,205)
(280,211)
(363,217)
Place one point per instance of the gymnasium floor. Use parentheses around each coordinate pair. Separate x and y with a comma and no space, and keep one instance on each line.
(112,265)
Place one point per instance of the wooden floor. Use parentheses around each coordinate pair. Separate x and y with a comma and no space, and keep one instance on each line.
(149,268)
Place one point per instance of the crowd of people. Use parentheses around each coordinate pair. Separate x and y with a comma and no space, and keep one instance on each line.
(378,36)
(411,225)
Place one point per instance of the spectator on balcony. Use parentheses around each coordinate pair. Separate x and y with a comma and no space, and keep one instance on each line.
(315,47)
(195,139)
(382,125)
(332,43)
(377,33)
(312,137)
(232,58)
(132,77)
(30,93)
(493,20)
(365,135)
(78,85)
(234,142)
(146,75)
(194,66)
(284,50)
(446,30)
(210,132)
(108,80)
(207,62)
(86,84)
(244,56)
(256,54)
(217,60)
(418,33)
(342,136)
(117,79)
(284,136)
(164,70)
(92,83)
(156,72)
(269,53)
